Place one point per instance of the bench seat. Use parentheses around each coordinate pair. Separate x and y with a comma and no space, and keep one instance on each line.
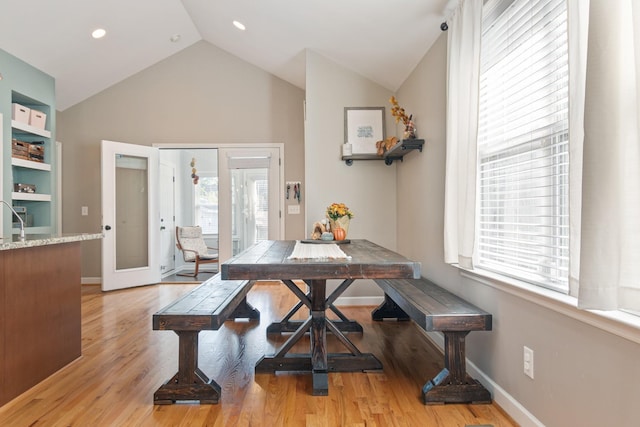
(435,309)
(205,307)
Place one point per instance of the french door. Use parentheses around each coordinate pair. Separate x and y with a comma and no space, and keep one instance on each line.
(249,198)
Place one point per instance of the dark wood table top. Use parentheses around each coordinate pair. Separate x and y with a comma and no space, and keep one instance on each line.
(268,260)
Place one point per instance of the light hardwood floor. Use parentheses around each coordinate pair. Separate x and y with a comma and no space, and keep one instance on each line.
(124,361)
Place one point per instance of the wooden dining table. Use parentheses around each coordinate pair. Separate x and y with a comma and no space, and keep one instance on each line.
(272,260)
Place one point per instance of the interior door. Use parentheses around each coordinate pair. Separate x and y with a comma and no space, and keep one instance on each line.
(130,216)
(167,218)
(249,198)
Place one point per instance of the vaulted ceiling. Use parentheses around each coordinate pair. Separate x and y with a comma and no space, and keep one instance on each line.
(382,40)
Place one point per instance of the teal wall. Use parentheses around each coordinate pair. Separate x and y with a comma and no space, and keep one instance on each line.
(22,78)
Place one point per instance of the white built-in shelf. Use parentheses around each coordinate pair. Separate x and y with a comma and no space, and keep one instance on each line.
(34,197)
(30,129)
(32,230)
(29,164)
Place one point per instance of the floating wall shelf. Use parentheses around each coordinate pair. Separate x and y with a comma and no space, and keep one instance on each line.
(397,152)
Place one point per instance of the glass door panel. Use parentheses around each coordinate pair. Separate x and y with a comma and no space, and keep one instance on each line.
(132,212)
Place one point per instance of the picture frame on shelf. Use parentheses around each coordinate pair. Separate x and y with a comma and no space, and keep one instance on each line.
(363,127)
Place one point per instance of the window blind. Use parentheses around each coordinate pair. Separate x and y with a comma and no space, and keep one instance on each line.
(523,224)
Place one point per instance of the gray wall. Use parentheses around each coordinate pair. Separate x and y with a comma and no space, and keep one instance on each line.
(584,376)
(367,187)
(200,95)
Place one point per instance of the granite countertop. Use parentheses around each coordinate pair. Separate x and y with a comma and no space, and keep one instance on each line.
(33,240)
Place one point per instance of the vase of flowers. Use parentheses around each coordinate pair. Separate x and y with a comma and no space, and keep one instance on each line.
(339,217)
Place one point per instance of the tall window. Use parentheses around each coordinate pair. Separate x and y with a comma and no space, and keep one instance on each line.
(523,224)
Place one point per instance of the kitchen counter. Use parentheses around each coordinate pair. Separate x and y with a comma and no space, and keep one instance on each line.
(33,240)
(40,308)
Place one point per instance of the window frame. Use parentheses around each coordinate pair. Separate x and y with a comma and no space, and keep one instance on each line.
(557,255)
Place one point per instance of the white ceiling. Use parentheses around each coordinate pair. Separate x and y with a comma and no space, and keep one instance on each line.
(380,39)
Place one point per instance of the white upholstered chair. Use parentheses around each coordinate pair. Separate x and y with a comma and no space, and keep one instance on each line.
(194,249)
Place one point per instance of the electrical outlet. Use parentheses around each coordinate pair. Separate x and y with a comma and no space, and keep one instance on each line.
(528,362)
(85,210)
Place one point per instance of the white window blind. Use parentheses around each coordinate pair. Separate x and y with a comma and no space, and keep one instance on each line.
(523,157)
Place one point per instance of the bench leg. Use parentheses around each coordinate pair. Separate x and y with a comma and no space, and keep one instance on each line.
(190,383)
(452,384)
(389,310)
(244,310)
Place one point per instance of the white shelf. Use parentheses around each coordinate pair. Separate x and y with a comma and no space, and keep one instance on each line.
(30,164)
(34,197)
(32,230)
(30,129)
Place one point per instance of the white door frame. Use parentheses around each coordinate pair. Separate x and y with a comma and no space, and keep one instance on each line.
(167,222)
(240,146)
(112,278)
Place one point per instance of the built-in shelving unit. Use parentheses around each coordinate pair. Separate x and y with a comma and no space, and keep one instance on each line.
(397,152)
(35,208)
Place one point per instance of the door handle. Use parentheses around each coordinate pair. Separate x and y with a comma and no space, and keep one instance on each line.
(163,228)
(107,227)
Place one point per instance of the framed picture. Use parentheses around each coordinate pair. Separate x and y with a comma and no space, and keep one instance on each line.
(363,127)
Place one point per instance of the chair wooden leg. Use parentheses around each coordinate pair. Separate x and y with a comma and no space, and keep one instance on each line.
(188,274)
(197,268)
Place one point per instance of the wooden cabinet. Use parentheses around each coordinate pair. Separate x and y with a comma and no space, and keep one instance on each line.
(40,314)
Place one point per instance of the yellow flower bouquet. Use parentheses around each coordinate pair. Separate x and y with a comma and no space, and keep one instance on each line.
(338,210)
(339,216)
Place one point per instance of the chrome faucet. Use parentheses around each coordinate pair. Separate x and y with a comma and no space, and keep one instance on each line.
(18,216)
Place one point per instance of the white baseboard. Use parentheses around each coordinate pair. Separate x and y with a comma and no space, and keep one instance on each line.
(507,402)
(90,280)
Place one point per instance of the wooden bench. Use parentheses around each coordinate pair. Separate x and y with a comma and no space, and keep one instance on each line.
(203,308)
(436,309)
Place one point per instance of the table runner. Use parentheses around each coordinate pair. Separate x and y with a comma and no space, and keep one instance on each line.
(311,251)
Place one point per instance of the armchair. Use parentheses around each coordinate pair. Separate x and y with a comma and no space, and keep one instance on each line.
(190,242)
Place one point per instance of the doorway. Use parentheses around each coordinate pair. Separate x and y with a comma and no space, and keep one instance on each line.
(232,192)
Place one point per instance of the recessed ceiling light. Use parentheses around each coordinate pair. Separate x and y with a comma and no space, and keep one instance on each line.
(239,25)
(98,33)
(175,38)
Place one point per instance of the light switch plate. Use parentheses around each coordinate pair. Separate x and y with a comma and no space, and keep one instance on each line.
(293,209)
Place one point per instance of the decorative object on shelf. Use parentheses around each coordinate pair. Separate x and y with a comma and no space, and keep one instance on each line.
(20,113)
(400,115)
(318,229)
(194,175)
(339,217)
(339,233)
(24,188)
(385,145)
(363,126)
(327,235)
